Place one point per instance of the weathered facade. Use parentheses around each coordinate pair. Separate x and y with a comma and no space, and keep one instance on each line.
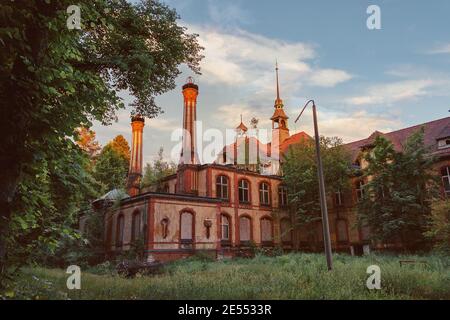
(227,206)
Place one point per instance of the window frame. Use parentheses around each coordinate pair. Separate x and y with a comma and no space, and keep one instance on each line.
(264,193)
(246,242)
(225,241)
(135,214)
(243,190)
(266,242)
(360,191)
(120,230)
(282,196)
(187,243)
(338,202)
(445,176)
(220,185)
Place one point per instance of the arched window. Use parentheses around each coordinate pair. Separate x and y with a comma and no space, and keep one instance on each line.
(264,198)
(244,191)
(166,188)
(119,230)
(286,231)
(136,226)
(282,196)
(445,172)
(187,228)
(225,227)
(222,187)
(266,230)
(360,189)
(245,225)
(342,230)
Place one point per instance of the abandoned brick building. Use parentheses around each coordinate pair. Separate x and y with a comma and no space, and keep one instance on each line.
(223,207)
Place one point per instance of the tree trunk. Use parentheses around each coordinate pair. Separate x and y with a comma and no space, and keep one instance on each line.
(9,176)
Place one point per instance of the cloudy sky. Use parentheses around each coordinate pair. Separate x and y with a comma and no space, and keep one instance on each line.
(362,80)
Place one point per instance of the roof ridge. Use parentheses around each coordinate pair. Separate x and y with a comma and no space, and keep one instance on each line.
(399,130)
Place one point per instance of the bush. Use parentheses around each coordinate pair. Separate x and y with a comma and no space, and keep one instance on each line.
(439,226)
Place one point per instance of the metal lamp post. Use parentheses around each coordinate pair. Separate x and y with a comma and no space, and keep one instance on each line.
(323,200)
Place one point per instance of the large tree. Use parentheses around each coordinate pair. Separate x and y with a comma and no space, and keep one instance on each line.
(54,79)
(157,170)
(111,168)
(397,201)
(300,177)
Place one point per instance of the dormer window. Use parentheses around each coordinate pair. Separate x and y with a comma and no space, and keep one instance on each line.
(444,143)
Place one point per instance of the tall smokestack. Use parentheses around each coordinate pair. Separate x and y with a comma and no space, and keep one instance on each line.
(135,171)
(188,151)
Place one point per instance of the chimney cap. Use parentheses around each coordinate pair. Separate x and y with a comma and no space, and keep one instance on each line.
(137,117)
(190,83)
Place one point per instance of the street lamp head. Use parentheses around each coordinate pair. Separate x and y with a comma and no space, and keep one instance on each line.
(306,104)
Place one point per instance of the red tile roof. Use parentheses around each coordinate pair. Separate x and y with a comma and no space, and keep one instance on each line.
(294,139)
(434,130)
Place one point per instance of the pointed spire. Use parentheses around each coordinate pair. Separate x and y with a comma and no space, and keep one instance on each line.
(278,101)
(278,87)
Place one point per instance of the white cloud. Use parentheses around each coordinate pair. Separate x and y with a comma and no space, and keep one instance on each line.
(441,49)
(161,124)
(329,77)
(394,92)
(348,126)
(239,57)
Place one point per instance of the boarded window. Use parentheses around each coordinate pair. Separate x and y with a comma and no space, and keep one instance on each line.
(136,226)
(285,229)
(244,229)
(342,231)
(266,230)
(120,226)
(187,220)
(225,222)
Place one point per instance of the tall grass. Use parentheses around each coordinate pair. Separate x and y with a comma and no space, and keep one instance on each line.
(292,276)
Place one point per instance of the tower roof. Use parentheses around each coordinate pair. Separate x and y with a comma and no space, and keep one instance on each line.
(279,113)
(242,126)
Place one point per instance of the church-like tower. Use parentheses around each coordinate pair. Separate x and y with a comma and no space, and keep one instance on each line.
(135,171)
(280,130)
(188,151)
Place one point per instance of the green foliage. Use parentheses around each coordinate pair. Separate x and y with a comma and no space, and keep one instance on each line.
(300,176)
(157,170)
(111,169)
(292,276)
(439,225)
(397,198)
(55,80)
(46,206)
(121,146)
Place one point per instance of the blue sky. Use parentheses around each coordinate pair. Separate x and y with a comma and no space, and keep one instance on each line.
(362,80)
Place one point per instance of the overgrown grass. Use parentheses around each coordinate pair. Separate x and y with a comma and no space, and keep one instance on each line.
(292,276)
